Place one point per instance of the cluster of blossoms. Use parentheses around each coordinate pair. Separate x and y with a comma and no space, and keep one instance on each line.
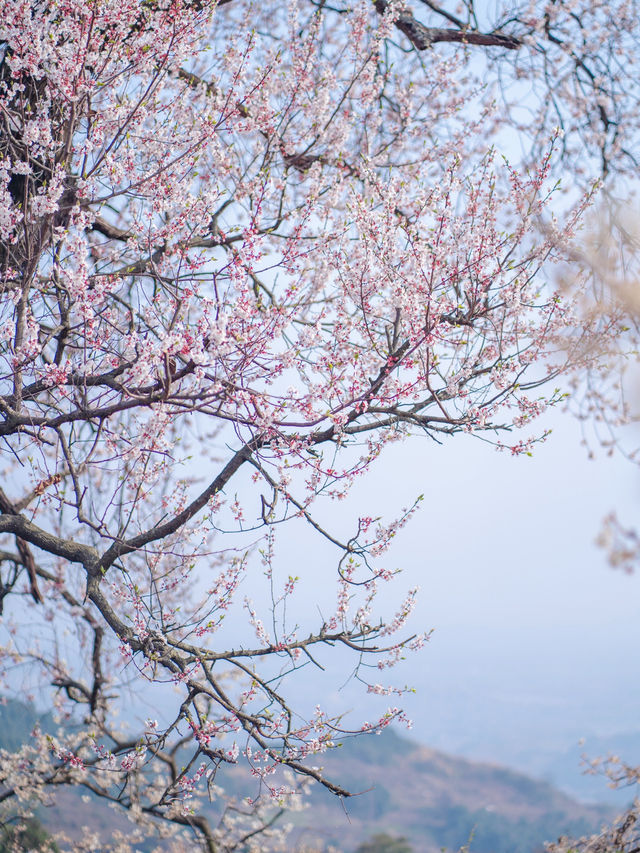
(234,268)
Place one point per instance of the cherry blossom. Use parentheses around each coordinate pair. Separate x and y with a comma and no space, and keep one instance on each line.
(243,248)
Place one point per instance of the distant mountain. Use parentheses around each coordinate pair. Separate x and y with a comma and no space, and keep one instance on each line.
(568,770)
(433,799)
(17,721)
(438,801)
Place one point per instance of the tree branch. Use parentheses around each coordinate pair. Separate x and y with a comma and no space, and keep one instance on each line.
(66,548)
(422,37)
(161,531)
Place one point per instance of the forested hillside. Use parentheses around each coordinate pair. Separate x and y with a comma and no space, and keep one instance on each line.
(433,799)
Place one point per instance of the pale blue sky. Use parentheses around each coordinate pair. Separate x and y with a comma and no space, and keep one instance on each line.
(536,639)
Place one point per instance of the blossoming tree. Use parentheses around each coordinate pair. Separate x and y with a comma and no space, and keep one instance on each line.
(244,246)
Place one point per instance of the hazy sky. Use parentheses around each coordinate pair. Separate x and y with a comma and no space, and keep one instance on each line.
(536,639)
